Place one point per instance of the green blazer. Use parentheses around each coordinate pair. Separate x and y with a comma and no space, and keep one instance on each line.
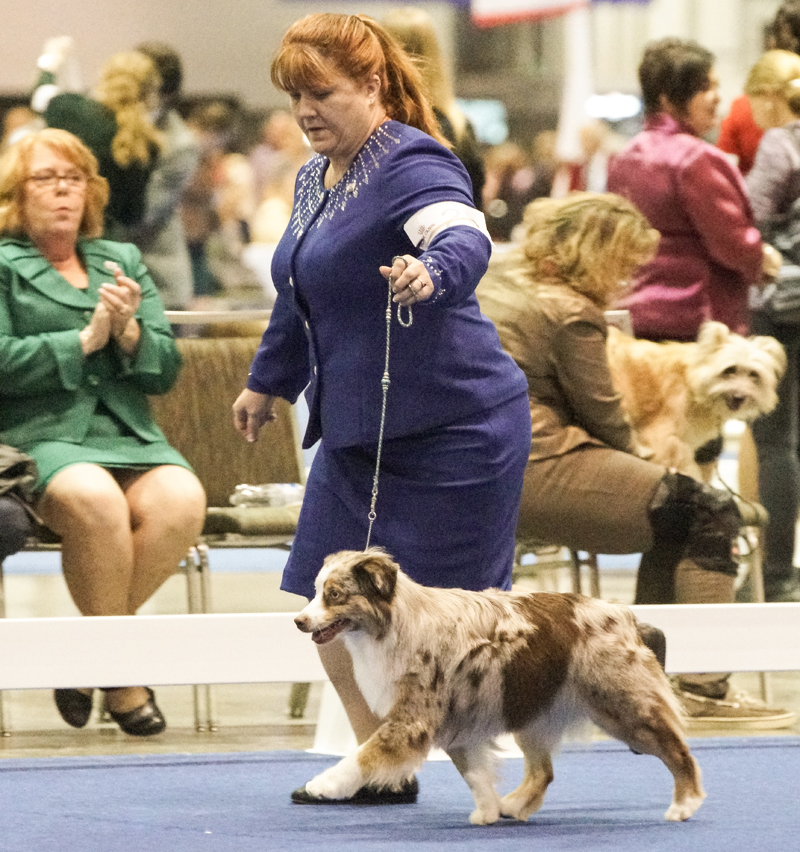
(49,389)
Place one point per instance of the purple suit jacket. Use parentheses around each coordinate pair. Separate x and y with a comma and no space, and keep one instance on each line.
(328,328)
(710,250)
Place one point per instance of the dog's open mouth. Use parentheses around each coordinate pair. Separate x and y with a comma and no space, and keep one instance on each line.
(325,634)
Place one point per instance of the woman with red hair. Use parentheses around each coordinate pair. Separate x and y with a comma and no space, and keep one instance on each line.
(384,199)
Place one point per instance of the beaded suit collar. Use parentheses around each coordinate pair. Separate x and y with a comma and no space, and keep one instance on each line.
(311,192)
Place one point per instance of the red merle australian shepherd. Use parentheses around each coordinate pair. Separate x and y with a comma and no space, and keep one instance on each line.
(454,669)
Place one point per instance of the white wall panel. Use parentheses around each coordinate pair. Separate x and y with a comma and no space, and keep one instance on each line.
(226,46)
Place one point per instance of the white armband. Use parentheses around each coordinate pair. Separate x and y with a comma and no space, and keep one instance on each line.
(425,224)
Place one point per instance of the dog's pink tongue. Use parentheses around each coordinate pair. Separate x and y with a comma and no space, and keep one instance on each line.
(328,633)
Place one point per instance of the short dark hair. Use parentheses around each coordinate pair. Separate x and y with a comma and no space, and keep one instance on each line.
(676,68)
(168,63)
(785,27)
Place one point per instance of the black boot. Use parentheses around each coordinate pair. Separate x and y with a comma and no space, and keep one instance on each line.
(655,640)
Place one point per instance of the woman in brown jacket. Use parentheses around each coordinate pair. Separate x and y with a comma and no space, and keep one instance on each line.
(585,487)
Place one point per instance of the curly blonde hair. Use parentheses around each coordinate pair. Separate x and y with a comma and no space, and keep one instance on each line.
(356,46)
(590,241)
(777,72)
(14,168)
(126,82)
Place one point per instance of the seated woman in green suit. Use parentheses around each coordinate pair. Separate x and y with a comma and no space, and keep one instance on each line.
(83,341)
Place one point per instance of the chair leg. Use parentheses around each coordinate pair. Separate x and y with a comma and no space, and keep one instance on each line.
(575,570)
(756,570)
(298,699)
(4,731)
(594,573)
(198,587)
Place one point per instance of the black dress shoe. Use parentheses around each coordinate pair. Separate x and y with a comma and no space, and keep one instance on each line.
(367,795)
(74,706)
(144,721)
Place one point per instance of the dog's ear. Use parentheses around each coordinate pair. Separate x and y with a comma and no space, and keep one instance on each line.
(712,335)
(774,350)
(376,574)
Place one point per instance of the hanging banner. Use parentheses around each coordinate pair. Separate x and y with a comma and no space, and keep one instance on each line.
(491,13)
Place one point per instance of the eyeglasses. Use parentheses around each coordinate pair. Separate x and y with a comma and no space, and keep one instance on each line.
(50,180)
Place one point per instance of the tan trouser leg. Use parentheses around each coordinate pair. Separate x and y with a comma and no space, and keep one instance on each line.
(696,585)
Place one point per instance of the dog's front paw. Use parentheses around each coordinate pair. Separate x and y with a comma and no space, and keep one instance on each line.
(680,811)
(334,783)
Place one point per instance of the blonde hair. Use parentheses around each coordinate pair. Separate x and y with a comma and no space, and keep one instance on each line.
(357,47)
(414,29)
(14,167)
(590,241)
(126,82)
(777,72)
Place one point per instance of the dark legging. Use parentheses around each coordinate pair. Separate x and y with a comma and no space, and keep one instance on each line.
(776,440)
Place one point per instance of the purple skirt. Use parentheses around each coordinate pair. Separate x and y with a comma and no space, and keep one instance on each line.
(447,504)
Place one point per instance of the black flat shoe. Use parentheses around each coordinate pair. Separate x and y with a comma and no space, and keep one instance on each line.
(144,721)
(74,706)
(367,795)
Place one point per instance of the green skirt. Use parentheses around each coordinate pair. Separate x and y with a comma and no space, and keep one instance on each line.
(108,443)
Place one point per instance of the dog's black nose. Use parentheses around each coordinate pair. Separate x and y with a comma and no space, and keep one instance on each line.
(302,622)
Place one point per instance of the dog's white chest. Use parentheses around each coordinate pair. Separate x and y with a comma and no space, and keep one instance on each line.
(374,673)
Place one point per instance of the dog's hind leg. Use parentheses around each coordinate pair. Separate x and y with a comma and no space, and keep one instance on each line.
(476,763)
(528,797)
(645,718)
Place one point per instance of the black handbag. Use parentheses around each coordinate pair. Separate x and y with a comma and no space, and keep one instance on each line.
(18,475)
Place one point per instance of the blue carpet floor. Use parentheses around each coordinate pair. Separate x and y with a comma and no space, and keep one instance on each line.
(603,798)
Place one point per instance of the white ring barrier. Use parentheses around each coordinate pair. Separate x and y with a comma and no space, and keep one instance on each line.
(157,650)
(44,653)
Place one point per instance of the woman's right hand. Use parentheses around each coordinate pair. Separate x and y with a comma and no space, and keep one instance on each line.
(251,411)
(96,335)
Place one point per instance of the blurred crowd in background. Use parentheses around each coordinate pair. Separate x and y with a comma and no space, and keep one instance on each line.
(238,201)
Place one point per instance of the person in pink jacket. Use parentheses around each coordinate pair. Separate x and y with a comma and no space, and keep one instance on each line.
(710,251)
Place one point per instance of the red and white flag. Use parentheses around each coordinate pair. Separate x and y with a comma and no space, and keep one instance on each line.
(490,13)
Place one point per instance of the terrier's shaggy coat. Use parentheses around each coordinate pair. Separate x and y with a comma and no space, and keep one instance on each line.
(454,669)
(678,396)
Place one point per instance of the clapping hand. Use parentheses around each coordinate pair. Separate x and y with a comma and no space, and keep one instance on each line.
(95,336)
(122,299)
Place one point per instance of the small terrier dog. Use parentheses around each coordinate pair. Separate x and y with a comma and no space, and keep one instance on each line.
(455,669)
(678,396)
